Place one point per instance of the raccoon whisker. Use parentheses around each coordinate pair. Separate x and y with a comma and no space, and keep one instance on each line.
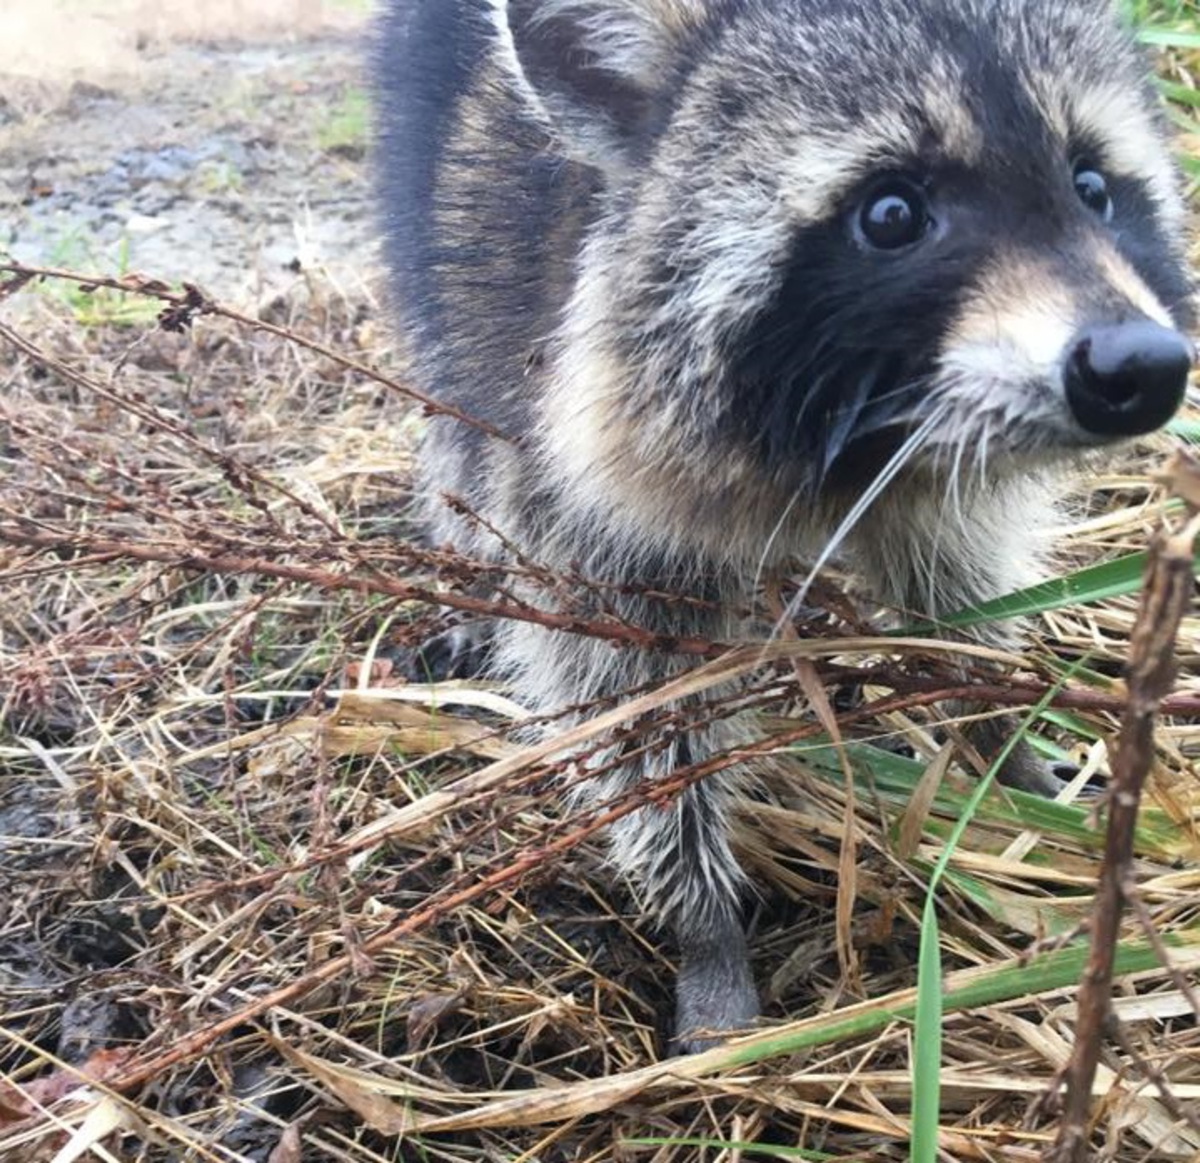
(932,573)
(1180,305)
(843,424)
(864,414)
(898,461)
(763,557)
(981,451)
(953,489)
(948,459)
(969,485)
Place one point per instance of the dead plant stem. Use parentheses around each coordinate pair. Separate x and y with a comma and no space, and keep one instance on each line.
(1170,585)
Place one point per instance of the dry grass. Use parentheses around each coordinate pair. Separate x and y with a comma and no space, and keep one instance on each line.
(263,894)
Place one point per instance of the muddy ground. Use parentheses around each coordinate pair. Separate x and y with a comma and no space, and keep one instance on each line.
(217,142)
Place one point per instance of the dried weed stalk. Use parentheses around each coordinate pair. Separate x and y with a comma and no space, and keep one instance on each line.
(1166,598)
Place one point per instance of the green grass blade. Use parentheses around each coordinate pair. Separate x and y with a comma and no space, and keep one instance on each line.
(1164,37)
(1095,583)
(894,778)
(1054,970)
(927,1051)
(1079,727)
(927,1048)
(1050,915)
(1181,94)
(1186,430)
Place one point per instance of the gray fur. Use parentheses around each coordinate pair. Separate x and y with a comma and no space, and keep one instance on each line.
(621,231)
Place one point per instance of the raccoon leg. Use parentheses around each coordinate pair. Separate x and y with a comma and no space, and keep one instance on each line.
(675,852)
(679,853)
(715,991)
(450,470)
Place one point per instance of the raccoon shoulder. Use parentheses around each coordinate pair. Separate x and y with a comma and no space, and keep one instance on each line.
(483,215)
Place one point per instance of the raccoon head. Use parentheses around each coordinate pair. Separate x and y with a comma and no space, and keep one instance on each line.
(838,233)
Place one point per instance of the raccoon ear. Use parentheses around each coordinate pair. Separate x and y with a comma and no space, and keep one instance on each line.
(592,68)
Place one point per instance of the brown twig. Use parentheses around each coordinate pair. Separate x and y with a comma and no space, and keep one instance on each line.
(213,560)
(1168,591)
(237,473)
(913,689)
(183,307)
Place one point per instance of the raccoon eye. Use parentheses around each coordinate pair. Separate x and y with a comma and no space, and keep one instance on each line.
(895,215)
(1092,188)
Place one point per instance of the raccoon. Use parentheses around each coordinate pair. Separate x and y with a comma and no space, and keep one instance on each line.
(751,281)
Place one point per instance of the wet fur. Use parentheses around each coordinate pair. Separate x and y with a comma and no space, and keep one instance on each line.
(618,230)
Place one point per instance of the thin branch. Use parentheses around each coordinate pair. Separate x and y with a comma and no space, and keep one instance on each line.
(1170,585)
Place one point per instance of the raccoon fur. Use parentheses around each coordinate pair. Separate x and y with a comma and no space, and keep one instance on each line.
(750,281)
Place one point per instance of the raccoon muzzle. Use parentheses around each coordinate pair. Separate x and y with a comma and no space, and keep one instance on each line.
(1128,378)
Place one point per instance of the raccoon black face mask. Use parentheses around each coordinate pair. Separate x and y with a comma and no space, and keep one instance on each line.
(804,277)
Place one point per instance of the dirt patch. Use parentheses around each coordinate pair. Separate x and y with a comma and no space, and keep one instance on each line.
(153,139)
(106,41)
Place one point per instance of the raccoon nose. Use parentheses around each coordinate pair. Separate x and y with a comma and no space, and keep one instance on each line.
(1127,378)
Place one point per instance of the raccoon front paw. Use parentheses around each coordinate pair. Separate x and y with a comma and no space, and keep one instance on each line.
(460,652)
(715,995)
(1024,768)
(1028,771)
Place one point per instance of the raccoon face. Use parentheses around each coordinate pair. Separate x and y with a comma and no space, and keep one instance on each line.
(838,232)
